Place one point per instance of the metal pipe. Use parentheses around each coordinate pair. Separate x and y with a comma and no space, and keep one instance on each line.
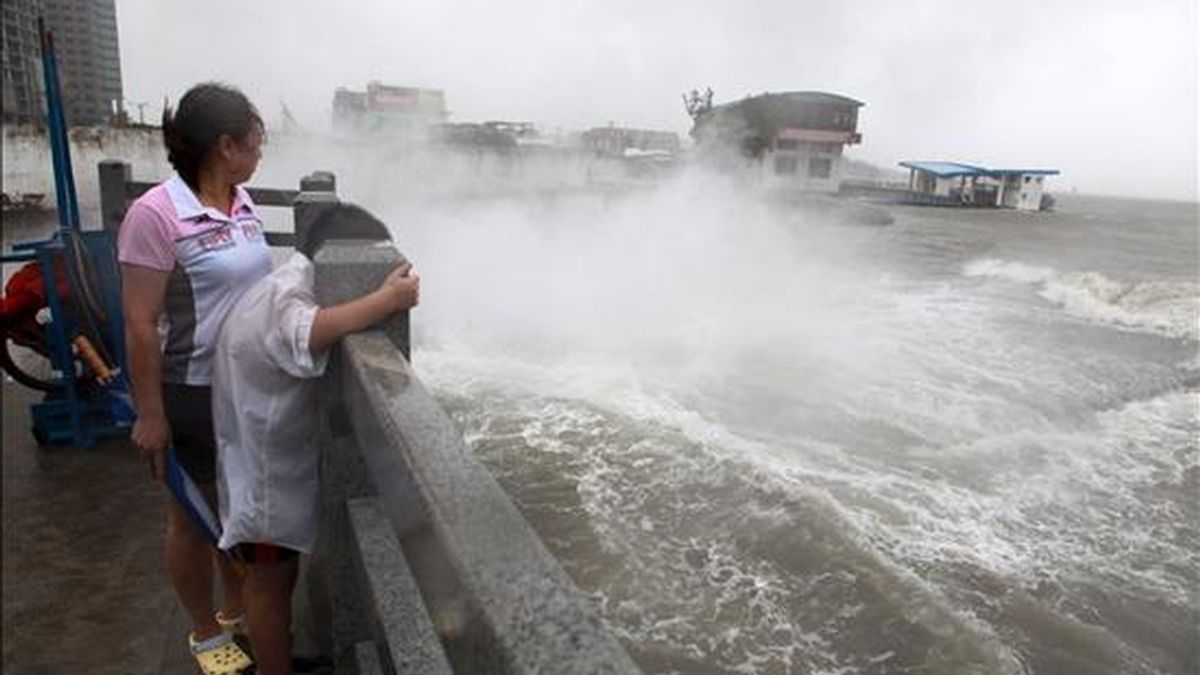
(60,151)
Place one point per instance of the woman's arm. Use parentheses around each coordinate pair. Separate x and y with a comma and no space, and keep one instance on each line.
(142,293)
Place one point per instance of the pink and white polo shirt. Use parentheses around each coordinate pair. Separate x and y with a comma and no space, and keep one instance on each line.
(212,258)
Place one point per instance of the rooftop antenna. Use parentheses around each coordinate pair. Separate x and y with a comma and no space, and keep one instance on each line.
(289,121)
(697,103)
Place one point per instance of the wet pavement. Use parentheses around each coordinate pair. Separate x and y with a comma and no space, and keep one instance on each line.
(83,584)
(84,589)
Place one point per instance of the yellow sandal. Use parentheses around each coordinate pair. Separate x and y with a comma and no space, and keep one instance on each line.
(219,654)
(236,626)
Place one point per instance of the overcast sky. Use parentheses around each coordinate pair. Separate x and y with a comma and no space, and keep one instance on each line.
(1105,90)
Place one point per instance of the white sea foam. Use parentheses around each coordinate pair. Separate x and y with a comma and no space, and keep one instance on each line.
(617,504)
(1051,478)
(1078,489)
(1170,308)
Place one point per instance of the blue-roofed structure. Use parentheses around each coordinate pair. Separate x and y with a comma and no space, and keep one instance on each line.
(1024,172)
(941,182)
(945,169)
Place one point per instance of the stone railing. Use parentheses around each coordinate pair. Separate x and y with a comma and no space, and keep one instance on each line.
(118,189)
(425,557)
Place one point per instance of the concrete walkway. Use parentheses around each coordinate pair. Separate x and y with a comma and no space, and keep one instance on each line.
(83,584)
(84,589)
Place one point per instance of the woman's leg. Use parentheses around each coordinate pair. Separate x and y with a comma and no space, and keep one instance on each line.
(189,565)
(231,579)
(190,556)
(268,597)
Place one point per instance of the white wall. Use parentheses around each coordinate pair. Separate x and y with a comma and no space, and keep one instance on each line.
(28,168)
(373,171)
(1030,195)
(801,180)
(1023,192)
(941,186)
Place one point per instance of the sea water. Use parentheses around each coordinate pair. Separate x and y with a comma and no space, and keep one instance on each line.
(762,442)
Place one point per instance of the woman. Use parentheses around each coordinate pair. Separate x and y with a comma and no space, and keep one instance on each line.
(188,248)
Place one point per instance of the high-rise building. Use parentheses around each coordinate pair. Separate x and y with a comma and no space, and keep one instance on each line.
(89,60)
(23,100)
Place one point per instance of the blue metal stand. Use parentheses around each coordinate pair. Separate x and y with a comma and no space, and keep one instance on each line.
(80,410)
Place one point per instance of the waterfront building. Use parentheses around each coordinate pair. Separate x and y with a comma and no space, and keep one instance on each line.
(23,97)
(527,134)
(970,185)
(622,141)
(400,111)
(623,155)
(472,135)
(793,140)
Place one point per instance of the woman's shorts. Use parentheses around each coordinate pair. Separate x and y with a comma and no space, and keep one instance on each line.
(263,554)
(189,412)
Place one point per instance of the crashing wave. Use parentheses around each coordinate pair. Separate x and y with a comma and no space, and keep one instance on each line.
(1170,308)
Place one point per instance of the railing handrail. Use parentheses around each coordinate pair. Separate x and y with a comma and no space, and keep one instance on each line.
(118,189)
(260,195)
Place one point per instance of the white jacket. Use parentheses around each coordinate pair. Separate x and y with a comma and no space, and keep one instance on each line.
(265,413)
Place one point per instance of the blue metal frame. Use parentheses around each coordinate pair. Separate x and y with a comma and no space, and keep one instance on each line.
(60,150)
(81,410)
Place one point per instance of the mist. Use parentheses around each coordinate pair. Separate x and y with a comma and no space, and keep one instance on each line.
(944,425)
(1104,93)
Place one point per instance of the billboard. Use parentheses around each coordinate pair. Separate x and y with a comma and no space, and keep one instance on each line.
(417,101)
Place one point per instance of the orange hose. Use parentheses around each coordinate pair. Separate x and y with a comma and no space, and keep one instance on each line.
(87,353)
